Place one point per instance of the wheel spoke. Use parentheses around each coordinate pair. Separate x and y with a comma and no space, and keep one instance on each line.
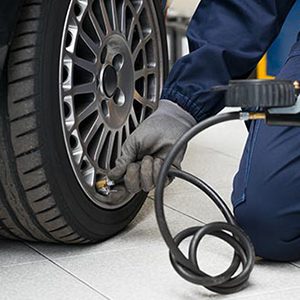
(90,176)
(123,18)
(135,22)
(84,88)
(120,137)
(134,118)
(89,42)
(77,152)
(105,16)
(100,145)
(139,98)
(131,32)
(96,25)
(143,114)
(139,74)
(127,130)
(87,112)
(91,133)
(143,101)
(141,46)
(84,64)
(67,74)
(78,156)
(109,150)
(144,73)
(140,9)
(115,15)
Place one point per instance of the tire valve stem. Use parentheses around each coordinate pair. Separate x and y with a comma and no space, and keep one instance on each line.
(104,186)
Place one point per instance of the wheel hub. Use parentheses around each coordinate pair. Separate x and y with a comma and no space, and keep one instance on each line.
(116,72)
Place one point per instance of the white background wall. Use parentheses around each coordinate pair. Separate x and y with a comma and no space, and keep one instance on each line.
(184,7)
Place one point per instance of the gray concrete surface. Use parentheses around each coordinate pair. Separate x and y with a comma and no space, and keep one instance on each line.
(135,264)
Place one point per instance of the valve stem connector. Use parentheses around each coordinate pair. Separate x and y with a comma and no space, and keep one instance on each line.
(104,186)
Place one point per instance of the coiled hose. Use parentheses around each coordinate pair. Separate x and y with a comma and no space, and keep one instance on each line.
(227,282)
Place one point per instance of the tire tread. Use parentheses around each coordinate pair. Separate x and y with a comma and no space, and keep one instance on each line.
(33,214)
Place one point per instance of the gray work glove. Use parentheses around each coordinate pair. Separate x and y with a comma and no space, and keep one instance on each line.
(144,151)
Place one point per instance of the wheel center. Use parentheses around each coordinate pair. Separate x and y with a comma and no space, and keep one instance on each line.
(116,81)
(110,81)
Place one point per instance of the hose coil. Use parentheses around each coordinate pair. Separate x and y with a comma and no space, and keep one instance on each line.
(188,268)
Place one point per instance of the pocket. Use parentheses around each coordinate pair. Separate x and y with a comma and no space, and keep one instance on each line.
(240,181)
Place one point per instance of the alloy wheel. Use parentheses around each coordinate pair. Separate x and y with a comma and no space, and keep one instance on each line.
(111,74)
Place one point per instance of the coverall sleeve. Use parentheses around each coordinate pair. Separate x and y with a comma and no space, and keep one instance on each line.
(227,38)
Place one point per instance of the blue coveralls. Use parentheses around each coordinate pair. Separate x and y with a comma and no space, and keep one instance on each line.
(227,38)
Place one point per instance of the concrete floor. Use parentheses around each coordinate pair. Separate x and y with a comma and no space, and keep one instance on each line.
(135,264)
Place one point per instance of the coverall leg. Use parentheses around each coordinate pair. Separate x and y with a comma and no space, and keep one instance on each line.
(266,195)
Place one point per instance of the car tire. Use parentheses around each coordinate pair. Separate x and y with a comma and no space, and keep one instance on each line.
(41,197)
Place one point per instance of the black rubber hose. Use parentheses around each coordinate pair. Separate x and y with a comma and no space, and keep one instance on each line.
(228,282)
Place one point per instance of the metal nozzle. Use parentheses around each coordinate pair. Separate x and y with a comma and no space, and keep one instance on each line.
(296,85)
(246,116)
(104,186)
(257,116)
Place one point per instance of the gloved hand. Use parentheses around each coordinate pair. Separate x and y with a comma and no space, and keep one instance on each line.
(144,151)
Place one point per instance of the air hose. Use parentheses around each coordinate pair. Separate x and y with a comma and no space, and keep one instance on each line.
(245,93)
(188,267)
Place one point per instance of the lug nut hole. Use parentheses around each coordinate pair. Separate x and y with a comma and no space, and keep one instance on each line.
(118,62)
(104,107)
(119,97)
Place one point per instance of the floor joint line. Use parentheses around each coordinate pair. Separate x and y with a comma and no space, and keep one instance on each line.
(67,271)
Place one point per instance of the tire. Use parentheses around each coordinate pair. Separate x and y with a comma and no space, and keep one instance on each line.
(41,196)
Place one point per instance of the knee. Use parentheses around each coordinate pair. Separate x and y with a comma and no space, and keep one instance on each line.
(270,237)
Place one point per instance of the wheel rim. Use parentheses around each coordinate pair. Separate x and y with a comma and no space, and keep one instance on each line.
(111,74)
